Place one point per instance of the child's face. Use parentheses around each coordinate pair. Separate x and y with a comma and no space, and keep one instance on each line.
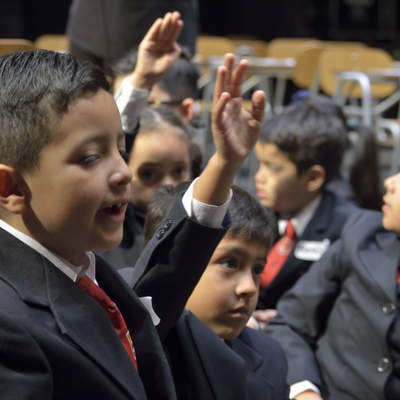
(159,158)
(80,190)
(278,184)
(227,292)
(391,206)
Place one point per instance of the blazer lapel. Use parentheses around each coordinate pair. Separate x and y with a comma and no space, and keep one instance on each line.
(78,316)
(221,364)
(388,259)
(86,324)
(152,362)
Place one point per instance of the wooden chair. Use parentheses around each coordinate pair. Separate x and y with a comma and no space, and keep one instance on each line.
(249,46)
(12,45)
(306,72)
(52,42)
(289,47)
(208,46)
(344,75)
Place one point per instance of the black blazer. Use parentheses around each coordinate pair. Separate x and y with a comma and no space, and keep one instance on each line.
(252,366)
(327,223)
(108,29)
(56,342)
(334,323)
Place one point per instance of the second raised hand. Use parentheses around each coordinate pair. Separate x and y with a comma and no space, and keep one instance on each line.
(235,130)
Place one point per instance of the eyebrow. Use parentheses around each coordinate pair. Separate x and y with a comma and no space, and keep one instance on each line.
(234,249)
(102,137)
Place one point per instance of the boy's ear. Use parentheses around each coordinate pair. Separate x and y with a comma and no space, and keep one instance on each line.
(11,197)
(315,176)
(187,109)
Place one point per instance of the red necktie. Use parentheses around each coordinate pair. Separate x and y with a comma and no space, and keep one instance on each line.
(113,313)
(278,255)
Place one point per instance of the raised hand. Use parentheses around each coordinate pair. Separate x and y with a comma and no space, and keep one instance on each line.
(235,130)
(157,51)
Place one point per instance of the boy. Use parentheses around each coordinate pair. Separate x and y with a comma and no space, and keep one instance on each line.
(299,152)
(177,88)
(64,187)
(220,307)
(339,324)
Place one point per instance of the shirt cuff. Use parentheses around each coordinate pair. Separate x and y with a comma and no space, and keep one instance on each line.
(130,102)
(300,387)
(205,214)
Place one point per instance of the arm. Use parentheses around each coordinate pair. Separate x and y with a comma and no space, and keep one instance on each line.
(234,130)
(303,313)
(156,54)
(174,259)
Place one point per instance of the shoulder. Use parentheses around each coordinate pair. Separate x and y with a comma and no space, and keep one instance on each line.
(364,223)
(263,344)
(338,203)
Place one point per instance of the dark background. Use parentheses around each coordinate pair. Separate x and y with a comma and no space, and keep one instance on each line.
(376,22)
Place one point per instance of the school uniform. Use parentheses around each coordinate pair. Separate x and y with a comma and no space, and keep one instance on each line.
(252,366)
(339,325)
(322,228)
(205,367)
(56,342)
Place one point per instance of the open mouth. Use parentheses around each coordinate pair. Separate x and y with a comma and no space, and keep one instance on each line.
(115,211)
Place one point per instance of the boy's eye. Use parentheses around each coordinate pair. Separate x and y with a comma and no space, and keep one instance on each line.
(230,263)
(148,176)
(89,159)
(179,172)
(124,155)
(258,269)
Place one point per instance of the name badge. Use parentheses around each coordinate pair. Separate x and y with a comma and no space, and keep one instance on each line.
(309,250)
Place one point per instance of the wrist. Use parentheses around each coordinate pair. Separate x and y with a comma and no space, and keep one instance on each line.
(140,81)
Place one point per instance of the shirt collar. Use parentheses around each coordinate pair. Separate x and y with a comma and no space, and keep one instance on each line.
(302,218)
(74,272)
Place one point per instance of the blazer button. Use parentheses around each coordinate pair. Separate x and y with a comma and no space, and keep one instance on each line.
(160,233)
(388,308)
(167,224)
(384,364)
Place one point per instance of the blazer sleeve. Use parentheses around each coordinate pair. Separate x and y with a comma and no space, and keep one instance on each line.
(172,263)
(303,313)
(24,370)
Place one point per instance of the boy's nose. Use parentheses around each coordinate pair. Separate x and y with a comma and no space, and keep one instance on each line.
(168,180)
(246,285)
(389,183)
(122,174)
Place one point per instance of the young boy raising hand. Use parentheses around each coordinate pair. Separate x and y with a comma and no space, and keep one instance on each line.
(64,187)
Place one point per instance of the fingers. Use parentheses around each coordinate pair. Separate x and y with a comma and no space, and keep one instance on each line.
(218,109)
(166,29)
(154,30)
(237,78)
(258,105)
(220,83)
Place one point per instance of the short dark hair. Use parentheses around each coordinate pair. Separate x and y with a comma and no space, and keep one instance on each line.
(36,89)
(249,219)
(179,82)
(311,133)
(151,120)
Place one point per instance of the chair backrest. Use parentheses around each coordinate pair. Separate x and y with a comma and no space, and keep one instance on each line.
(307,66)
(12,45)
(289,47)
(52,42)
(334,60)
(307,60)
(208,46)
(250,46)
